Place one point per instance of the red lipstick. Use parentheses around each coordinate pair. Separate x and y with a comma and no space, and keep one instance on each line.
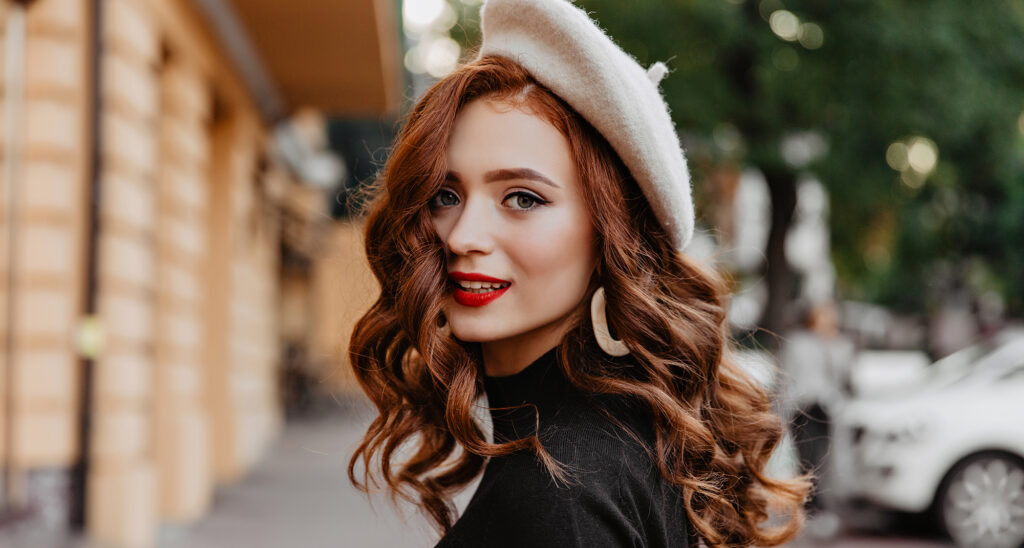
(466,298)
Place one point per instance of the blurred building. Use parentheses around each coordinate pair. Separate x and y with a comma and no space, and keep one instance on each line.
(163,214)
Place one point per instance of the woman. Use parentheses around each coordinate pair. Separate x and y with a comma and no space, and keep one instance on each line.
(504,217)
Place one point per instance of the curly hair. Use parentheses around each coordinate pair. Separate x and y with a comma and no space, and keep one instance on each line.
(714,427)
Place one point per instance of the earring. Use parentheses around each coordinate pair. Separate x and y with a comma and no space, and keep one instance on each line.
(599,319)
(445,329)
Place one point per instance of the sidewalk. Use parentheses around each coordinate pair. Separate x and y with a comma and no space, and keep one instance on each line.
(299,495)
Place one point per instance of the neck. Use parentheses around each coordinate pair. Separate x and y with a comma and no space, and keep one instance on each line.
(511,355)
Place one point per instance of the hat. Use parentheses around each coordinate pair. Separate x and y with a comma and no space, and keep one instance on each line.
(568,53)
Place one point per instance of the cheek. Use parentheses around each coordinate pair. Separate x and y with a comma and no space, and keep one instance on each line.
(559,256)
(441,225)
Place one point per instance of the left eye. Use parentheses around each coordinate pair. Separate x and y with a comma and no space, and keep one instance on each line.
(444,198)
(523,201)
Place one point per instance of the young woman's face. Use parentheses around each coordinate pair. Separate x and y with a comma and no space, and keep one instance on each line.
(512,211)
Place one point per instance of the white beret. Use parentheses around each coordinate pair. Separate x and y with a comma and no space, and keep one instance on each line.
(566,51)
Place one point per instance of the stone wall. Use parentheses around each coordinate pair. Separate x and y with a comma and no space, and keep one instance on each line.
(185,385)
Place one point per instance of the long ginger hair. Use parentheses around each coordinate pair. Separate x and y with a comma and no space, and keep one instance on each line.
(714,426)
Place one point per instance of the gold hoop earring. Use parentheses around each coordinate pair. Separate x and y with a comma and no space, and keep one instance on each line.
(599,319)
(444,328)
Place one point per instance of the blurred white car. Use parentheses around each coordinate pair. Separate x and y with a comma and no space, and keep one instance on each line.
(954,446)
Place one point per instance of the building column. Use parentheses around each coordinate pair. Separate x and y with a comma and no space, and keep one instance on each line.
(43,204)
(181,425)
(121,498)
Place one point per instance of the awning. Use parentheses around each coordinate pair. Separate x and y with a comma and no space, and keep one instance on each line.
(342,57)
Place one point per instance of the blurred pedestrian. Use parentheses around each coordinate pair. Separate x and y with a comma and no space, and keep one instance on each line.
(816,360)
(528,240)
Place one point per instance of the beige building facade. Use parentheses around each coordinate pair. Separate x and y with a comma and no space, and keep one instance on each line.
(160,247)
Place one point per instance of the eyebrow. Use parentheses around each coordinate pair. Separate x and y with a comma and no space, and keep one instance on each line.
(509,174)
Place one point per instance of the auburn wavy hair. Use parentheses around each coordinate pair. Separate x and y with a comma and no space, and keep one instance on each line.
(715,429)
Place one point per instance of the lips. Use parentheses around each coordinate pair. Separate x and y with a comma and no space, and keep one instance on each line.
(475,277)
(466,298)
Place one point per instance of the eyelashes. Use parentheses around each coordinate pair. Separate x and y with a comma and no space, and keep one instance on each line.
(448,198)
(438,199)
(519,195)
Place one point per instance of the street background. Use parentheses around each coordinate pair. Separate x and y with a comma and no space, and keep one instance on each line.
(182,267)
(299,495)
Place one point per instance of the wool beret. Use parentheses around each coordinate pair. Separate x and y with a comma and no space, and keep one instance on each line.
(563,49)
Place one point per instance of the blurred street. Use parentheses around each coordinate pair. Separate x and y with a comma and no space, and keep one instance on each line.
(184,251)
(300,496)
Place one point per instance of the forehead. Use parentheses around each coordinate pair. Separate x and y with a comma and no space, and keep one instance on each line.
(493,135)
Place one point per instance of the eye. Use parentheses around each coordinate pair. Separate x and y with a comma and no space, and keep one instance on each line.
(524,201)
(444,198)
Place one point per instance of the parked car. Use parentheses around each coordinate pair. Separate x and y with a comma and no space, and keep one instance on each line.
(885,373)
(953,447)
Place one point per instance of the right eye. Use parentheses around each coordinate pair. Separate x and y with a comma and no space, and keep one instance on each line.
(444,198)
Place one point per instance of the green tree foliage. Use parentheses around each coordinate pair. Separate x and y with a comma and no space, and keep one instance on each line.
(879,71)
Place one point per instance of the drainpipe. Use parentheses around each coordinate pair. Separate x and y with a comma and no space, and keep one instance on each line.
(88,331)
(14,74)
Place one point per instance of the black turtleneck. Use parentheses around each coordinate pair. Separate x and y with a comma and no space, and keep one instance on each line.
(615,496)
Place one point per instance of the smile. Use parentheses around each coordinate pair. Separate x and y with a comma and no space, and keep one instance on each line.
(481,287)
(478,293)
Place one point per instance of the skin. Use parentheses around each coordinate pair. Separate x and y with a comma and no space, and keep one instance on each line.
(536,236)
(825,320)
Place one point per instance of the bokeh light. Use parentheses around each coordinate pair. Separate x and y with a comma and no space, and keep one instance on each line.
(801,148)
(915,158)
(440,56)
(785,25)
(728,139)
(811,36)
(912,179)
(428,23)
(421,14)
(414,60)
(896,156)
(923,155)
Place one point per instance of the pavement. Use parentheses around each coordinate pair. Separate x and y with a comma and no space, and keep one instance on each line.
(299,496)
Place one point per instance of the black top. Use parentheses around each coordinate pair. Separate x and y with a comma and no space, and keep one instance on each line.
(617,497)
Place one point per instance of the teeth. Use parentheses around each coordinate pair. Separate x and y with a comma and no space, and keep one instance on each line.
(481,287)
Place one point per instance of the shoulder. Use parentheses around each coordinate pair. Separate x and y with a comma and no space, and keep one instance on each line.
(612,493)
(520,503)
(600,434)
(599,441)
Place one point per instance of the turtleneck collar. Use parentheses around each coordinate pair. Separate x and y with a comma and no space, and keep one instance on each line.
(540,386)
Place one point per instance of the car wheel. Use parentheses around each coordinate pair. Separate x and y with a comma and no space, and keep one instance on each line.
(982,502)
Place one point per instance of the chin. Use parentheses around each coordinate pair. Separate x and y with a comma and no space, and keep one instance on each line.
(476,333)
(471,335)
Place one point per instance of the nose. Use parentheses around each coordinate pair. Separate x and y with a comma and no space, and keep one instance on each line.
(472,231)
